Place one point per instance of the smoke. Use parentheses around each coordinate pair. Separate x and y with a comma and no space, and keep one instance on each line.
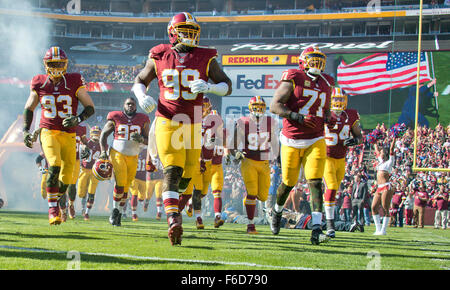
(24,39)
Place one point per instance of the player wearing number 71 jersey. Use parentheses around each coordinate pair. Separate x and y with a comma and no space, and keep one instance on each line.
(346,132)
(303,101)
(182,69)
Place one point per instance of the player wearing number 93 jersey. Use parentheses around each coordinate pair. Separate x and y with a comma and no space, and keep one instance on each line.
(303,100)
(346,132)
(58,93)
(182,69)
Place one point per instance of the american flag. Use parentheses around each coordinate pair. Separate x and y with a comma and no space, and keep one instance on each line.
(382,71)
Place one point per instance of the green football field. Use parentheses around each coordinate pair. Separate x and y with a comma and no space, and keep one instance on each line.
(28,242)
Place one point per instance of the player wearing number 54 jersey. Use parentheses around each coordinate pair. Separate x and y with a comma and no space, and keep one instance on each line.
(58,93)
(346,132)
(130,130)
(182,69)
(303,100)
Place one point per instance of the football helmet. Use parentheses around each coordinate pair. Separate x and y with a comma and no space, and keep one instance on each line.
(102,169)
(206,107)
(338,100)
(183,28)
(312,60)
(95,132)
(257,106)
(55,62)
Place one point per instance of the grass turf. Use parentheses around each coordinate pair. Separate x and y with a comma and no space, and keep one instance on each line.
(28,242)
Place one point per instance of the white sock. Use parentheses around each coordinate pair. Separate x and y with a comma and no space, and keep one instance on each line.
(316,218)
(278,208)
(377,222)
(218,214)
(385,223)
(87,210)
(329,212)
(250,222)
(133,212)
(116,204)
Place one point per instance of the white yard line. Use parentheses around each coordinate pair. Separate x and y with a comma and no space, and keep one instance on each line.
(160,259)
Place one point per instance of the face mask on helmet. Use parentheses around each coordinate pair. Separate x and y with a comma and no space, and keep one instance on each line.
(55,62)
(257,106)
(95,132)
(313,61)
(206,107)
(184,29)
(338,100)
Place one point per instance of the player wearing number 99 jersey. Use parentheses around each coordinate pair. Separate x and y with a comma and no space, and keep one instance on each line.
(58,93)
(130,130)
(303,100)
(346,132)
(182,69)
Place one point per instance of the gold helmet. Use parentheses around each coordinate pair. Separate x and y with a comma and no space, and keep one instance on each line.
(183,28)
(338,100)
(95,132)
(55,62)
(257,106)
(312,60)
(206,106)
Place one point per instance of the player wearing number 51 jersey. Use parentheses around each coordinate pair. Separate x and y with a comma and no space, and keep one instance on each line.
(58,93)
(346,132)
(130,130)
(182,69)
(303,100)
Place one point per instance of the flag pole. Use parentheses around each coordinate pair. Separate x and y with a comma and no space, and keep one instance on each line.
(435,88)
(419,48)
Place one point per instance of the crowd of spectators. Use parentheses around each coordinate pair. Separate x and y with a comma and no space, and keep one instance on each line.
(107,73)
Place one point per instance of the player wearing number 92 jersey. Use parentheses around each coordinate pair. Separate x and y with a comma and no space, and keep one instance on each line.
(182,69)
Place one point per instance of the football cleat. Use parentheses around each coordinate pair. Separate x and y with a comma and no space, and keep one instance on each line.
(251,229)
(71,211)
(86,216)
(275,225)
(317,236)
(330,229)
(175,231)
(134,217)
(218,222)
(63,215)
(189,210)
(158,216)
(353,227)
(54,216)
(199,223)
(115,218)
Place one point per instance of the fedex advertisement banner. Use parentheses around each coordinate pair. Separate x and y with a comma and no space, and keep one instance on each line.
(255,81)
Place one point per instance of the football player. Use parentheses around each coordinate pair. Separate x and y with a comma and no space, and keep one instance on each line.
(43,169)
(211,160)
(303,101)
(346,132)
(58,93)
(255,145)
(87,182)
(182,69)
(130,130)
(138,187)
(154,184)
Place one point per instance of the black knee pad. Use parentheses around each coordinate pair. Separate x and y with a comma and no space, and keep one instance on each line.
(172,177)
(197,199)
(91,198)
(283,193)
(315,188)
(53,175)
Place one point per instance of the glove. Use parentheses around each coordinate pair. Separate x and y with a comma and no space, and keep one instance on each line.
(238,156)
(202,166)
(103,155)
(307,121)
(135,136)
(146,103)
(85,152)
(28,139)
(71,121)
(149,166)
(228,159)
(199,86)
(350,142)
(43,170)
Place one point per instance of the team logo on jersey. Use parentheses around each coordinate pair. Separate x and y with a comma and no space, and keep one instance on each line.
(307,83)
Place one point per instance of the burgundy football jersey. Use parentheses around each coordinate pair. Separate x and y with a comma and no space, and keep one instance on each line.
(57,101)
(334,137)
(95,153)
(140,171)
(174,75)
(210,124)
(308,98)
(80,131)
(218,150)
(256,137)
(125,126)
